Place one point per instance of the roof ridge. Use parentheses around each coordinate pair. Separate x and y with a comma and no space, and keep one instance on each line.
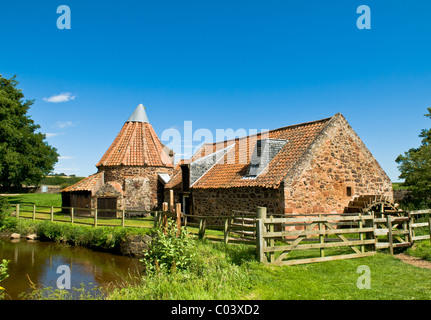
(273,130)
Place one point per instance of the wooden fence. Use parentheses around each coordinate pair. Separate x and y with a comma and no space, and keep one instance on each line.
(308,239)
(324,237)
(234,228)
(279,239)
(68,214)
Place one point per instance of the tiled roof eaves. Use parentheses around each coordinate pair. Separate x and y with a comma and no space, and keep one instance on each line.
(86,184)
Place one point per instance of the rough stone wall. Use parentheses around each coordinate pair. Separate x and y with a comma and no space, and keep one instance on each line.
(338,159)
(139,184)
(209,202)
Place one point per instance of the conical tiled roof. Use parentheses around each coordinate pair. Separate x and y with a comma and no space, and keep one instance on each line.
(136,145)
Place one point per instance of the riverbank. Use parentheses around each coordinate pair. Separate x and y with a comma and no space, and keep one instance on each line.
(125,241)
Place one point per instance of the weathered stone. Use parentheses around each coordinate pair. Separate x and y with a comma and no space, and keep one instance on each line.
(135,246)
(32,236)
(15,236)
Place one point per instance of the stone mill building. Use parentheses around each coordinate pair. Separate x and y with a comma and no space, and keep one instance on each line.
(313,167)
(131,174)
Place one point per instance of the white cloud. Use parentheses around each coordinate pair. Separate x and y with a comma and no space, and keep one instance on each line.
(50,135)
(62,97)
(64,124)
(65,157)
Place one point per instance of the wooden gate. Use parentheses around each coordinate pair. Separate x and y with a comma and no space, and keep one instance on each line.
(392,232)
(314,239)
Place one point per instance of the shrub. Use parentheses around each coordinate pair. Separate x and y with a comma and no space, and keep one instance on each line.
(5,208)
(3,275)
(169,251)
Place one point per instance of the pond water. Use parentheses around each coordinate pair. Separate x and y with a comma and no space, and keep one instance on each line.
(40,262)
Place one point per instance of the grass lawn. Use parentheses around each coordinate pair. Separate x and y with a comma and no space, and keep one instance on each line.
(40,199)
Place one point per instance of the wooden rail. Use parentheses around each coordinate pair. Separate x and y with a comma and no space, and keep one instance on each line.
(296,234)
(420,220)
(68,214)
(235,229)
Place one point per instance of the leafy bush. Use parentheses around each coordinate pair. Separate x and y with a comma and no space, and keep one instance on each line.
(169,251)
(3,275)
(5,208)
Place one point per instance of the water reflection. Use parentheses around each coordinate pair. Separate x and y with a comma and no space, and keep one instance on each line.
(38,261)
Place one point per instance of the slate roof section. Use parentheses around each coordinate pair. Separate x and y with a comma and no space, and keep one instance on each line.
(86,184)
(231,171)
(136,145)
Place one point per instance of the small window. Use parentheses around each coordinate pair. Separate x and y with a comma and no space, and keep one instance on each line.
(259,148)
(349,191)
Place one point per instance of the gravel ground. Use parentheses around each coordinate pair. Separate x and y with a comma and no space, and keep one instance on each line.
(418,262)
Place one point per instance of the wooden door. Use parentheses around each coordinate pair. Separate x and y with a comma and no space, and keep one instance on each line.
(106,203)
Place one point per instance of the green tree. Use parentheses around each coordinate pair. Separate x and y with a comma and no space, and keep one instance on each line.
(25,156)
(415,166)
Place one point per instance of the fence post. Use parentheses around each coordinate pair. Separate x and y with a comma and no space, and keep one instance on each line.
(178,212)
(17,211)
(123,217)
(391,244)
(410,227)
(271,240)
(34,212)
(429,226)
(361,234)
(71,214)
(52,214)
(226,230)
(260,241)
(371,235)
(171,200)
(321,238)
(202,224)
(95,217)
(156,218)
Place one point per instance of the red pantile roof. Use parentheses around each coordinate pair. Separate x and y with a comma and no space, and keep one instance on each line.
(231,171)
(136,145)
(86,184)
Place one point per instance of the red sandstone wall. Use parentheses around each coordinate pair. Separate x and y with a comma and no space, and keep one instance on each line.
(139,184)
(222,201)
(337,160)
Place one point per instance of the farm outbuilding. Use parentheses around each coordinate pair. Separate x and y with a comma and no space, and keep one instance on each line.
(131,174)
(313,167)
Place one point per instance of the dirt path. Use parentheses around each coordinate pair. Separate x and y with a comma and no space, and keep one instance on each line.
(418,262)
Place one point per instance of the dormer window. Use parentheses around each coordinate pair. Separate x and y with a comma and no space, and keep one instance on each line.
(265,150)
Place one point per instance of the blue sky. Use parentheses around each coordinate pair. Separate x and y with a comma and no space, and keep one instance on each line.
(220,64)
